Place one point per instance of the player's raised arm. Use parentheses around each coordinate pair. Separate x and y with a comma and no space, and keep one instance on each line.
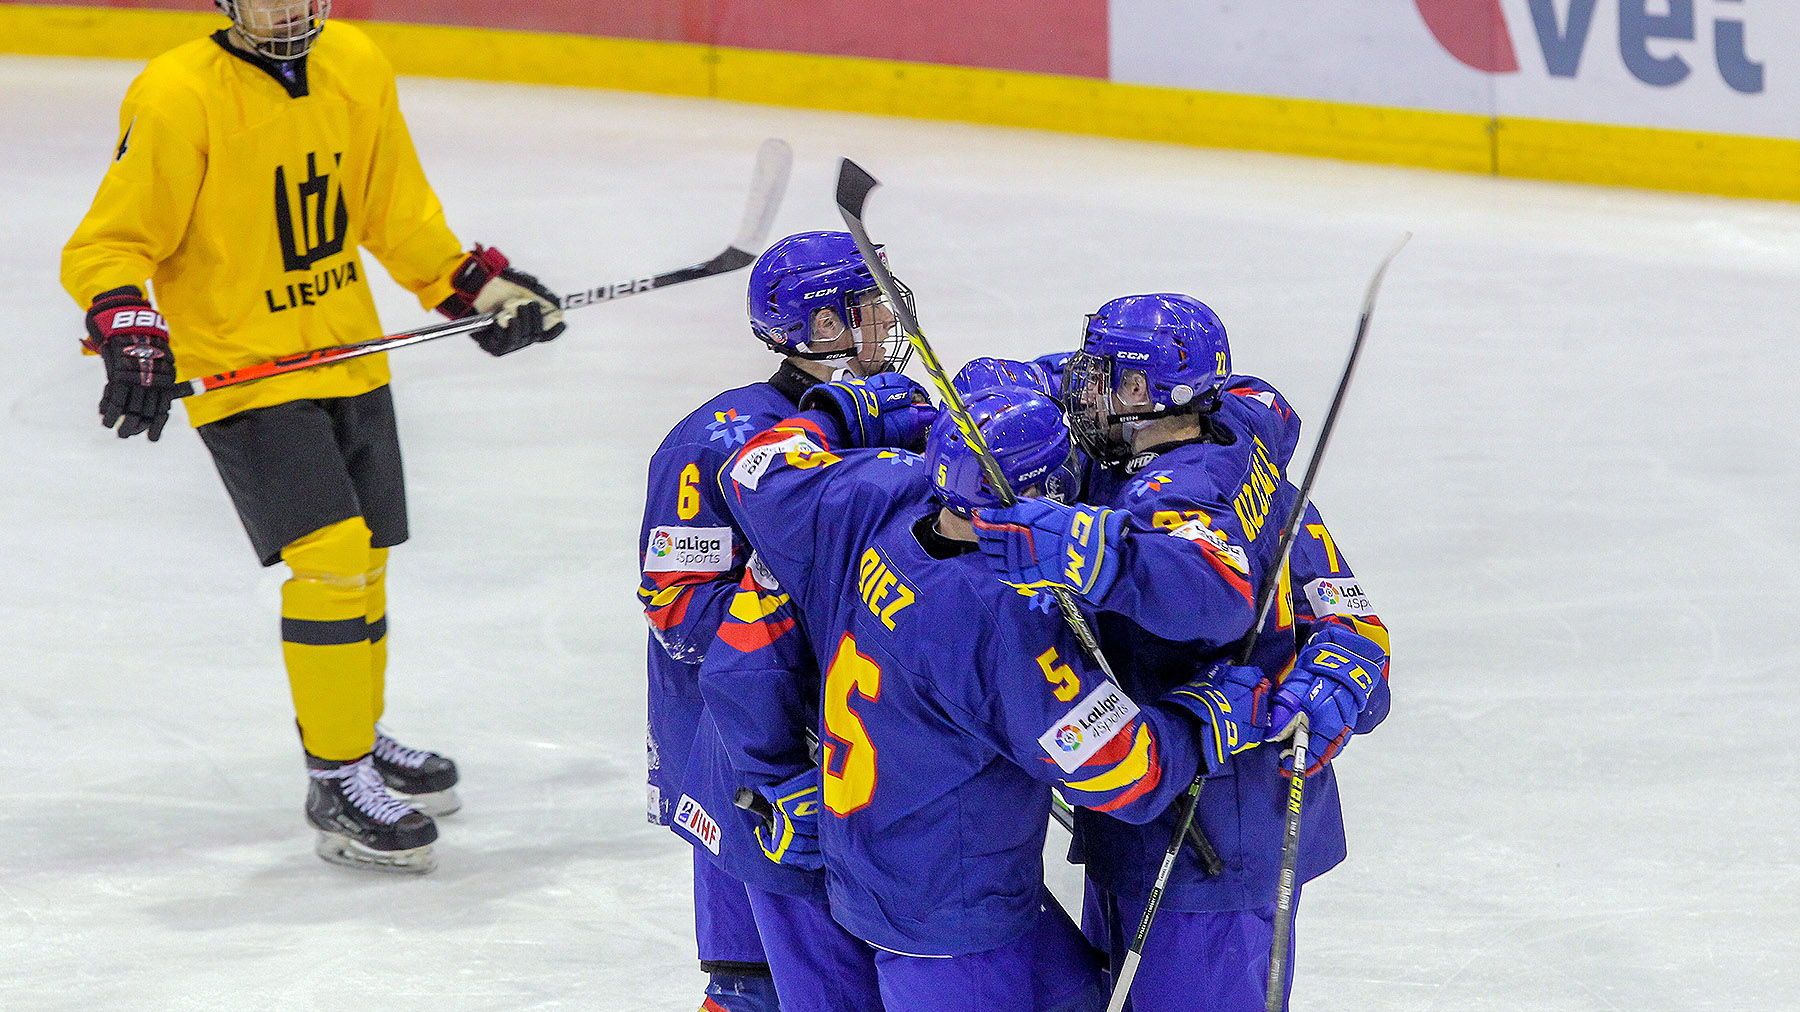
(1115,565)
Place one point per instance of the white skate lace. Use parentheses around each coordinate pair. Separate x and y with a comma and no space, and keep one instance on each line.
(362,784)
(392,751)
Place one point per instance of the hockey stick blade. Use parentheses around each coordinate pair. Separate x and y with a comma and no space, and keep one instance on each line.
(768,185)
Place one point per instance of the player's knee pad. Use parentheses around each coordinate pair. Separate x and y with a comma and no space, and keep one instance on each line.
(338,555)
(330,578)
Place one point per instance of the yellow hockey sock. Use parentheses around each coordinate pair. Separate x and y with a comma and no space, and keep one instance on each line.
(325,639)
(375,583)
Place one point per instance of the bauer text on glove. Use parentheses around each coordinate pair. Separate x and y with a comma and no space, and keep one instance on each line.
(132,340)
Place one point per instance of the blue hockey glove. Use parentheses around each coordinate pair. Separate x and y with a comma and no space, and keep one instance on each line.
(1038,543)
(790,831)
(1331,682)
(1231,703)
(886,409)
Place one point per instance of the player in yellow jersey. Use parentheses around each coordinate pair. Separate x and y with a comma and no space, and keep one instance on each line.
(251,166)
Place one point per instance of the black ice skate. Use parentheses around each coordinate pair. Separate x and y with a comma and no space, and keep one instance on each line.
(362,825)
(424,779)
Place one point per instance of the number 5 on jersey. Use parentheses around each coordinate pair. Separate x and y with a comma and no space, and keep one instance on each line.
(847,758)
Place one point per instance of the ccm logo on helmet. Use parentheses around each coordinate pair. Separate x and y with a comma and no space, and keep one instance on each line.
(1135,356)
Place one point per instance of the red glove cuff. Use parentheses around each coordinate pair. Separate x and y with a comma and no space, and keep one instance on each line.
(122,312)
(482,265)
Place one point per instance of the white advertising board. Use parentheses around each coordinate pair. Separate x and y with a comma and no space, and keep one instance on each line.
(1716,66)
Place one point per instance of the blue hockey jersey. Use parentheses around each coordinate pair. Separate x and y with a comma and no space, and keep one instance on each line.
(949,704)
(1229,496)
(693,555)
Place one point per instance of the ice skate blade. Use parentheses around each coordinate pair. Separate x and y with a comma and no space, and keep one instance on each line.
(338,849)
(435,804)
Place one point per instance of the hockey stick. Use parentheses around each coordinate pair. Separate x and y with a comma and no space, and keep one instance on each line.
(1280,946)
(768,183)
(1265,596)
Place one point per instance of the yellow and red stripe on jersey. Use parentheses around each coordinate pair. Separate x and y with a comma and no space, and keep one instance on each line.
(1368,626)
(1126,768)
(753,623)
(666,596)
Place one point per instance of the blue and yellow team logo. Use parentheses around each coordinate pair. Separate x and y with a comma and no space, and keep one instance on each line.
(730,427)
(1152,482)
(1068,737)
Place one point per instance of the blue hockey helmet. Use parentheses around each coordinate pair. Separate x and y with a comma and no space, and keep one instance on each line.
(1024,430)
(981,373)
(808,272)
(1143,357)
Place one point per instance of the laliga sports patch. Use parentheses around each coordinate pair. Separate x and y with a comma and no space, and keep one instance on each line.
(1200,534)
(688,550)
(692,818)
(1087,728)
(753,464)
(1338,597)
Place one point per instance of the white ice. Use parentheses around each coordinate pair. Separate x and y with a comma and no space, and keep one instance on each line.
(1566,473)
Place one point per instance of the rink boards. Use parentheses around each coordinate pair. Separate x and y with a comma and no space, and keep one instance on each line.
(1691,97)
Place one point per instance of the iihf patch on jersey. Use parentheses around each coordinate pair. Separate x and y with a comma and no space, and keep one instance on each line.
(1087,728)
(691,817)
(1338,597)
(1197,532)
(752,465)
(688,550)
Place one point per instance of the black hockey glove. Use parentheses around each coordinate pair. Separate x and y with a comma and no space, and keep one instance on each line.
(133,342)
(525,311)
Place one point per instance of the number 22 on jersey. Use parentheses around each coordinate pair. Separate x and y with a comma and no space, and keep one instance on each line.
(847,759)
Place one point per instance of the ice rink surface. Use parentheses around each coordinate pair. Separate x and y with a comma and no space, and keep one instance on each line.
(1567,475)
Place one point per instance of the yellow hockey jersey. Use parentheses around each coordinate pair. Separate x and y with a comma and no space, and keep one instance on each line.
(243,188)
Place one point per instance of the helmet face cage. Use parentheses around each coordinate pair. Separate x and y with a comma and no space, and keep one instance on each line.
(278,29)
(878,339)
(1091,399)
(1101,395)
